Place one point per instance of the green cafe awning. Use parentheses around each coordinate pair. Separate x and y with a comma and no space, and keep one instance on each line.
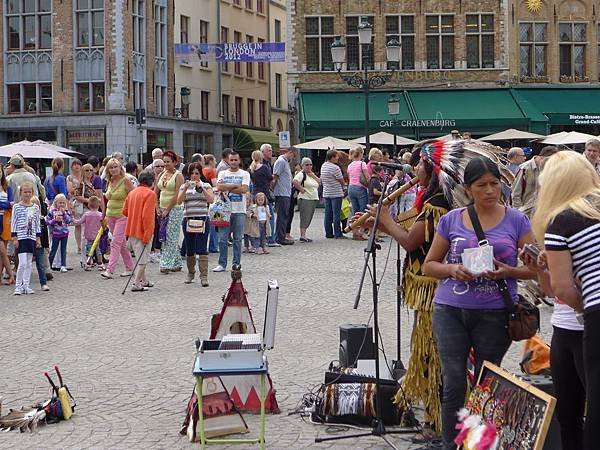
(342,114)
(480,111)
(561,105)
(247,140)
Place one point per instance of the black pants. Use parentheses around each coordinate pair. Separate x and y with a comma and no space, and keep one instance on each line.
(290,217)
(282,206)
(568,377)
(591,363)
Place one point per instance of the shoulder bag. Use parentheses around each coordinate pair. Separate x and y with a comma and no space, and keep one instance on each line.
(523,316)
(363,177)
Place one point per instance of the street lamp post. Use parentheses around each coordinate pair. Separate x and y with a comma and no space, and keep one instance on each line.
(393,110)
(364,81)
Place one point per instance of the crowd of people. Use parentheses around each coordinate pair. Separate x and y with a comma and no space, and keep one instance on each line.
(554,204)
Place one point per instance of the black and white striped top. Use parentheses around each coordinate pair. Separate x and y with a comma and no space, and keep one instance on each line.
(195,202)
(581,237)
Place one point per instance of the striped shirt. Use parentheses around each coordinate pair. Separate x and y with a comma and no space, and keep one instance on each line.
(195,202)
(580,236)
(25,222)
(330,174)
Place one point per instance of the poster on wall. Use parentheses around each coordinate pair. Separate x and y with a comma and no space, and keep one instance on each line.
(231,52)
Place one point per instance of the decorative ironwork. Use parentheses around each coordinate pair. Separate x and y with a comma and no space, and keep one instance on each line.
(360,82)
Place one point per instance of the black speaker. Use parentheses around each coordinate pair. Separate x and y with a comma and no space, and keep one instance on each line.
(544,383)
(351,339)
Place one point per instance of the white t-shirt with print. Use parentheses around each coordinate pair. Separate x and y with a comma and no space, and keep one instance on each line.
(241,177)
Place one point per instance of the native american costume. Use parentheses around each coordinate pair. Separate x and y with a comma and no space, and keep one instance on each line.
(423,378)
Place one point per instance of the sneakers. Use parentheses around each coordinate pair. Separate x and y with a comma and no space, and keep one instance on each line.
(18,291)
(219,268)
(28,291)
(63,269)
(273,244)
(126,274)
(286,242)
(45,288)
(106,274)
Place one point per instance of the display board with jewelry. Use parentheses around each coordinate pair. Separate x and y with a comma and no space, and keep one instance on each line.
(504,412)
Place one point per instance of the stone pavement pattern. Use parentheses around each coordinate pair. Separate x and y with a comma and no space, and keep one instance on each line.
(128,359)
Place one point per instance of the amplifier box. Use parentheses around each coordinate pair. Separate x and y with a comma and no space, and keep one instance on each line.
(356,342)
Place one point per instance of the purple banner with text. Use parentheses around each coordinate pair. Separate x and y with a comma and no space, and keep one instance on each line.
(231,52)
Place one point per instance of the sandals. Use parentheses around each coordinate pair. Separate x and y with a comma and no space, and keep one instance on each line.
(139,289)
(148,284)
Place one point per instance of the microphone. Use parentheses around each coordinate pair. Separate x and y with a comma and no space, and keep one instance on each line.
(394,166)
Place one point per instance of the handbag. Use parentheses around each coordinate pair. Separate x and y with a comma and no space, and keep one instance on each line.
(219,211)
(523,316)
(195,226)
(363,178)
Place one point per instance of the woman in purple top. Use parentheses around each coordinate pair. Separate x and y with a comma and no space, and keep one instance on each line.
(468,310)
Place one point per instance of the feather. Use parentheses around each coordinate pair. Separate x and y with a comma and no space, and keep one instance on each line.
(450,158)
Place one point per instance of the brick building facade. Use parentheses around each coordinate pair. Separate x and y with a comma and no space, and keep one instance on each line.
(75,71)
(454,56)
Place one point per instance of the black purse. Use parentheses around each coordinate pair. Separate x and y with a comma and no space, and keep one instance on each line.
(523,316)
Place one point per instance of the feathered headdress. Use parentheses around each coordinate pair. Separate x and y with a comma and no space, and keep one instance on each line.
(449,160)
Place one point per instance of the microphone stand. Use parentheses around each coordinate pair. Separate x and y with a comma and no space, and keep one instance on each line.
(398,370)
(377,427)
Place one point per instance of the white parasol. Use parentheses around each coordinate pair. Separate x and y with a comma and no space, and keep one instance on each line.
(328,142)
(31,150)
(384,138)
(511,135)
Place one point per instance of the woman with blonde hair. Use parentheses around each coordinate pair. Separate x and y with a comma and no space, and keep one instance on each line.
(74,180)
(358,181)
(118,187)
(567,220)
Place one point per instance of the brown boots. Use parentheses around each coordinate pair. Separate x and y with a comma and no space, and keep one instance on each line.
(203,268)
(191,266)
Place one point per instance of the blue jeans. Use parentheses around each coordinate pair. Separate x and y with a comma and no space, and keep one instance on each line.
(359,197)
(236,227)
(258,242)
(63,249)
(282,207)
(333,207)
(271,239)
(38,255)
(456,330)
(213,246)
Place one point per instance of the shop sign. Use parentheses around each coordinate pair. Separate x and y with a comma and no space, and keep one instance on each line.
(585,119)
(418,123)
(85,137)
(422,75)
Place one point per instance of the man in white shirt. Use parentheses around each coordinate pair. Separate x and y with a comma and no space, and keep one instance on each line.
(234,182)
(157,153)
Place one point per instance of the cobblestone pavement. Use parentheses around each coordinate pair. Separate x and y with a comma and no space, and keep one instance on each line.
(128,358)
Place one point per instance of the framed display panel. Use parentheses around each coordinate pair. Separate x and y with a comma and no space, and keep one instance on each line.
(535,398)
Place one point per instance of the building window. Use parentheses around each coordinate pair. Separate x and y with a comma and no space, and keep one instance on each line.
(572,42)
(224,40)
(440,41)
(237,2)
(184,25)
(251,112)
(533,42)
(248,4)
(238,110)
(160,59)
(278,90)
(237,66)
(354,51)
(402,28)
(225,108)
(249,65)
(196,143)
(29,24)
(598,55)
(262,114)
(203,38)
(139,54)
(480,41)
(185,111)
(260,6)
(319,37)
(37,98)
(277,25)
(84,102)
(261,65)
(204,96)
(90,23)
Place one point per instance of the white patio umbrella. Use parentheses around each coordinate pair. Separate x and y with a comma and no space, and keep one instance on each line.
(31,150)
(327,143)
(58,148)
(384,138)
(571,137)
(511,135)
